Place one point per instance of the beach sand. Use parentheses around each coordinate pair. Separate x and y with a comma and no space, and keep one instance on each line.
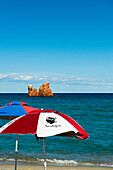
(35,167)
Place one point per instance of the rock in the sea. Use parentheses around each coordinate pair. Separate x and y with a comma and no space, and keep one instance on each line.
(30,87)
(44,90)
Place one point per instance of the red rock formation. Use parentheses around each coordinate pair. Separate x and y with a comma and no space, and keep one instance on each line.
(44,90)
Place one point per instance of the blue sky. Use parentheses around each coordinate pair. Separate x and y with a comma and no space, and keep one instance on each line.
(68,43)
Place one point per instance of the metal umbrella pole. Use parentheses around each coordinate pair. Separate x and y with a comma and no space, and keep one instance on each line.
(16,151)
(45,164)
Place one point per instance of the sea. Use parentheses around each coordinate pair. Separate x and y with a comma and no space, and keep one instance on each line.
(93,111)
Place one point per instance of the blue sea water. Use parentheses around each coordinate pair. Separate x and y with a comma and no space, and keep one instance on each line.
(94,112)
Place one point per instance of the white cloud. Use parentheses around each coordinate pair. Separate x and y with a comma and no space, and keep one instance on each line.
(2,76)
(22,77)
(56,79)
(41,78)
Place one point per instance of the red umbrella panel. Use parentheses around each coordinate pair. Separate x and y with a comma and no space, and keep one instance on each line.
(45,124)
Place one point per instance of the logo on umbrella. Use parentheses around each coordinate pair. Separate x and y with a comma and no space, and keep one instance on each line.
(50,120)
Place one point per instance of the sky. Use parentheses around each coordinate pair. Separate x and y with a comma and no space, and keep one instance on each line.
(66,42)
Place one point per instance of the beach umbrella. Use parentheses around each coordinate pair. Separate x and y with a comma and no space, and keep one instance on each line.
(45,124)
(13,110)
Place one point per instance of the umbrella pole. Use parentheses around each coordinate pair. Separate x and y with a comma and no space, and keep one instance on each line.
(16,151)
(45,165)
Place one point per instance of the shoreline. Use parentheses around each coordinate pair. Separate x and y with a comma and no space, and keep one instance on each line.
(34,165)
(54,163)
(39,167)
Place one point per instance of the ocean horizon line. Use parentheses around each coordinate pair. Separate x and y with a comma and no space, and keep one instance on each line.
(1,93)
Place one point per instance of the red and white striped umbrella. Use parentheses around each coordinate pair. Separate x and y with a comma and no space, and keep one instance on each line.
(45,124)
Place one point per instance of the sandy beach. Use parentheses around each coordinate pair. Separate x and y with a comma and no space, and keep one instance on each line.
(35,167)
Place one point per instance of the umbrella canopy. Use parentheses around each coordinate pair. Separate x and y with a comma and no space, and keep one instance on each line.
(15,109)
(45,124)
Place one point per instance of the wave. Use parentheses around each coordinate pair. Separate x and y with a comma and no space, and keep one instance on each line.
(57,162)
